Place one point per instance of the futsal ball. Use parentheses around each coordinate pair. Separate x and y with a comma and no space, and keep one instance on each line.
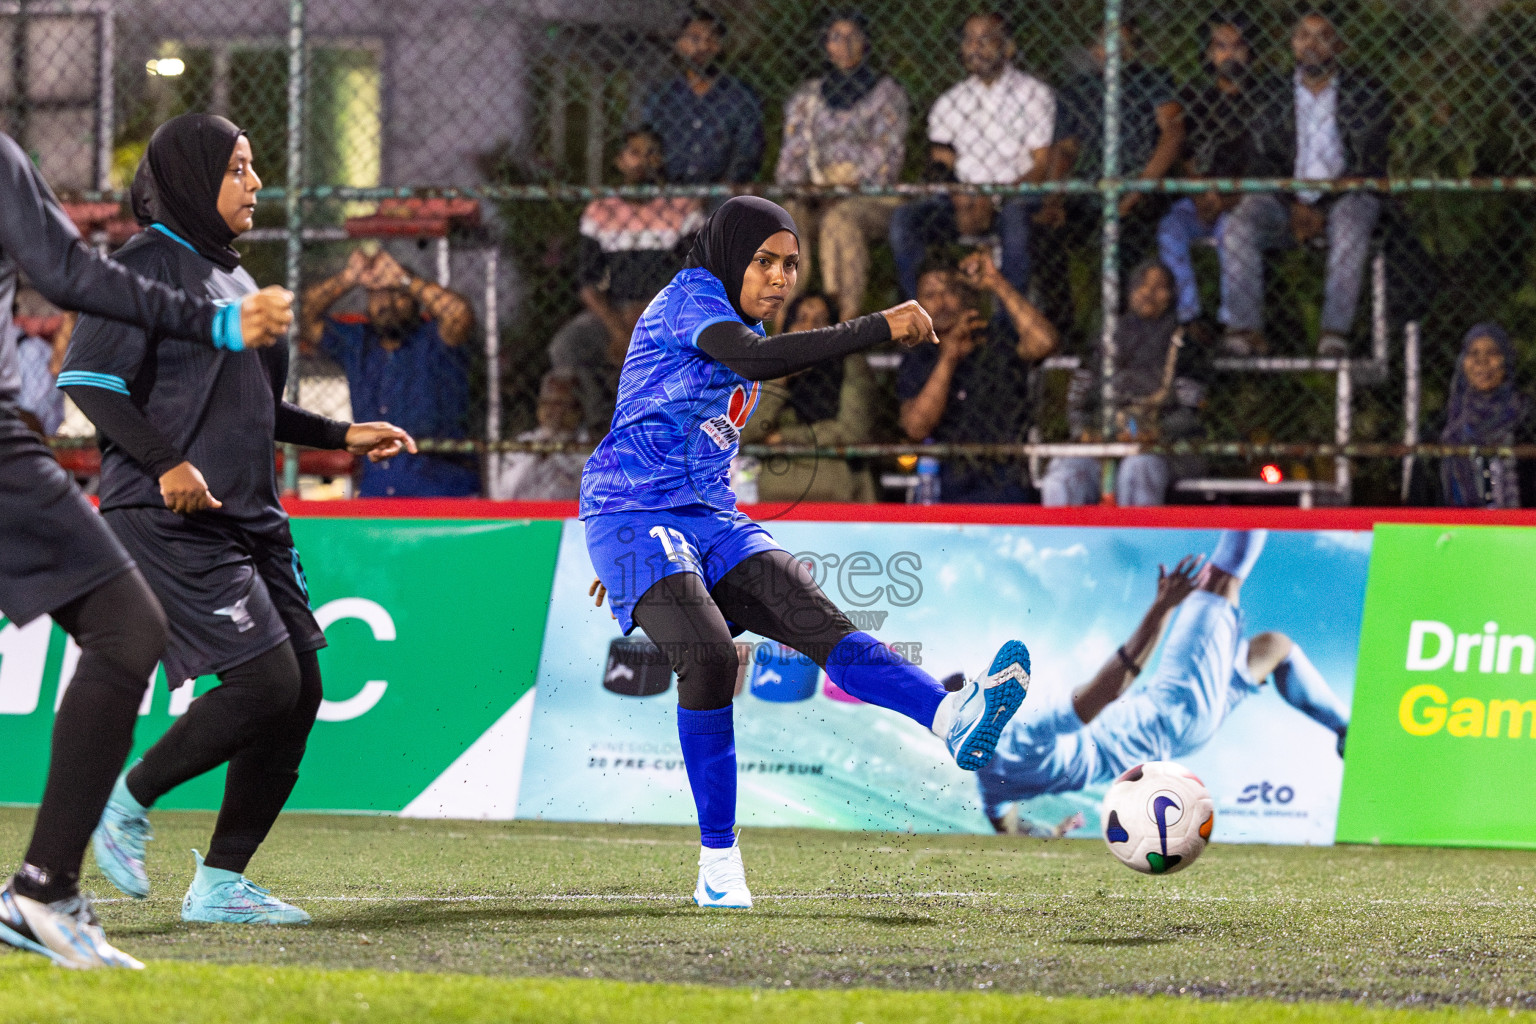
(1157,817)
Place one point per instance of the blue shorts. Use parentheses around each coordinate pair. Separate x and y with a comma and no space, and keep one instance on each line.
(632,551)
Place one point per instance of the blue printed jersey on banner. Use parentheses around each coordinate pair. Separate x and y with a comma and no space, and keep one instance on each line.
(680,413)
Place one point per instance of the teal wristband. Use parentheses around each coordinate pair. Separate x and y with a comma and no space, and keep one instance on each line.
(226,327)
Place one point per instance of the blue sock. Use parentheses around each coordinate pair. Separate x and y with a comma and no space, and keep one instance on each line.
(709,753)
(1237,551)
(870,671)
(1303,687)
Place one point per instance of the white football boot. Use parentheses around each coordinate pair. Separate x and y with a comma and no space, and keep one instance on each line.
(722,879)
(971,719)
(65,931)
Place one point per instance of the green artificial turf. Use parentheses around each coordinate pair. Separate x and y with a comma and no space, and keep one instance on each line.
(1380,927)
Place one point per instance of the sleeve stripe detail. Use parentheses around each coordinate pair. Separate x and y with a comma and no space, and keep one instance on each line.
(694,341)
(95,380)
(226,327)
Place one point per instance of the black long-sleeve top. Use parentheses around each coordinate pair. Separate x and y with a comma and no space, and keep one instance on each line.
(158,401)
(754,357)
(36,236)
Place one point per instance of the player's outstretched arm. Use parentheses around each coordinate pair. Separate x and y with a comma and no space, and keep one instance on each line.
(754,357)
(35,231)
(1130,658)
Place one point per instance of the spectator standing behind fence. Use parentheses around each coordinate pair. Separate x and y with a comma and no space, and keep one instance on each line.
(1152,402)
(994,128)
(531,476)
(1324,121)
(630,248)
(40,345)
(405,363)
(1218,113)
(1485,407)
(1151,139)
(831,403)
(711,125)
(848,127)
(974,385)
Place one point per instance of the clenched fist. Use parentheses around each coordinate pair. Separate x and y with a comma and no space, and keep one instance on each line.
(266,316)
(910,324)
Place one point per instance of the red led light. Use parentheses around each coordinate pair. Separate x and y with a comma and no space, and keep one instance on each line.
(1271,474)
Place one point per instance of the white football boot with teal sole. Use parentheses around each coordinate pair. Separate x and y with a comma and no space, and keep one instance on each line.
(65,931)
(971,719)
(722,880)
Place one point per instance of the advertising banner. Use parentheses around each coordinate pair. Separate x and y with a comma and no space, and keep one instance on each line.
(434,630)
(604,747)
(1442,750)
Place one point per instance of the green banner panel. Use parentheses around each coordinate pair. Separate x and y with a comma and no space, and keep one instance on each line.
(1442,745)
(435,628)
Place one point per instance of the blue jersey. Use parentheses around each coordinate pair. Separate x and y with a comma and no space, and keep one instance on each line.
(679,416)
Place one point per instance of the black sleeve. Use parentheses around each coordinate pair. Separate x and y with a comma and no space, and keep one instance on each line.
(300,426)
(757,358)
(119,420)
(38,235)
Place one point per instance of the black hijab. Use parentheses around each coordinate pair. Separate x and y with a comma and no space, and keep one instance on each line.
(842,89)
(178,181)
(731,237)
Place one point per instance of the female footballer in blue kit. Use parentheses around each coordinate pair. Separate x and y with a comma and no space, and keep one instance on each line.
(675,557)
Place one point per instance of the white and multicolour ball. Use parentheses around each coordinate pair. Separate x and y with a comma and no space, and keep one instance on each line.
(1157,817)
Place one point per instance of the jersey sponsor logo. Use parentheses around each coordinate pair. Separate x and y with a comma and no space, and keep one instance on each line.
(725,430)
(238,614)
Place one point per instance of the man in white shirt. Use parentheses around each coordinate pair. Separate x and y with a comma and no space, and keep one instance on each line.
(993,128)
(1320,123)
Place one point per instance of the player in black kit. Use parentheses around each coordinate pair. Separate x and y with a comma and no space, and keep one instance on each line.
(58,558)
(188,485)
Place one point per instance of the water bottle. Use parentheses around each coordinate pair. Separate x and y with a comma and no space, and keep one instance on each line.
(927,480)
(744,472)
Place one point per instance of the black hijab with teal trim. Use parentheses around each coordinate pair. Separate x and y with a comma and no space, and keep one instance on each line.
(731,237)
(178,181)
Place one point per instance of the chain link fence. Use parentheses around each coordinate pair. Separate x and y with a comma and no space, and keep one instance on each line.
(1248,239)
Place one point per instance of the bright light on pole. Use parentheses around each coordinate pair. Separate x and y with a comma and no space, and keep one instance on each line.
(166,67)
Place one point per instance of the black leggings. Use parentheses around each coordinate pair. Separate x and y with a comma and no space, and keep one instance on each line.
(121,632)
(771,594)
(258,719)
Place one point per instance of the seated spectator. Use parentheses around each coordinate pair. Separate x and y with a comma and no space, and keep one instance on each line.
(711,125)
(1217,144)
(405,363)
(973,386)
(1151,139)
(847,127)
(829,404)
(530,476)
(630,248)
(1152,402)
(40,343)
(1324,121)
(1487,408)
(994,128)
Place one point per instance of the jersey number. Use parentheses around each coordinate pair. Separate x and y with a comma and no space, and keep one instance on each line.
(675,545)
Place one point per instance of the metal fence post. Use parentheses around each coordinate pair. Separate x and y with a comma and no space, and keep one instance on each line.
(292,198)
(1110,184)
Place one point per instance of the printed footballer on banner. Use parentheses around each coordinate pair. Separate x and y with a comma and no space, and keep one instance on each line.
(1075,591)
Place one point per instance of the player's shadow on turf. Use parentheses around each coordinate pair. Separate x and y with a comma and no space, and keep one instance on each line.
(409,915)
(1126,940)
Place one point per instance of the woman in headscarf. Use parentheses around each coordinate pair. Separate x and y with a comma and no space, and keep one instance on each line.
(188,485)
(830,404)
(674,556)
(1485,408)
(846,127)
(1152,401)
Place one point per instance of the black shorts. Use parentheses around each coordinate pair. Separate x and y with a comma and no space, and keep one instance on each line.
(230,591)
(53,546)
